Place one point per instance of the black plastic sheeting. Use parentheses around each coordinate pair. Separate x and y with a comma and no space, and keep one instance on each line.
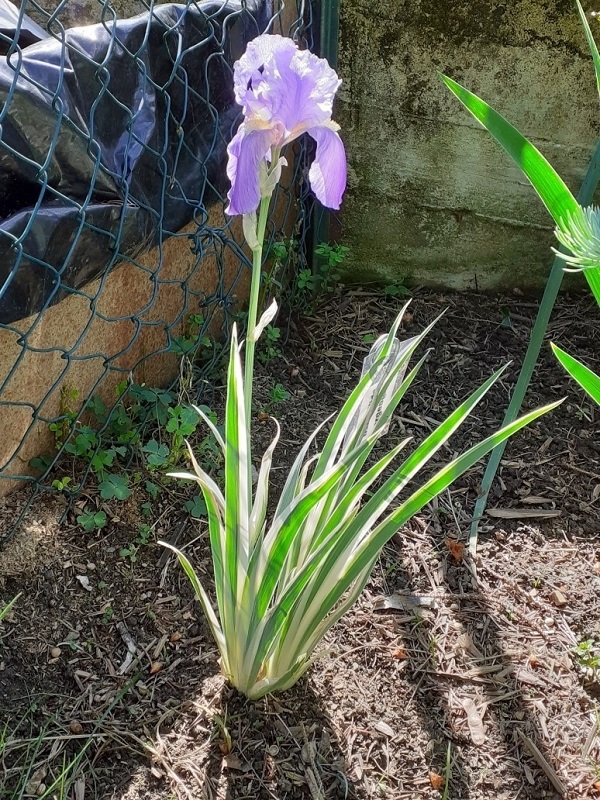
(111,141)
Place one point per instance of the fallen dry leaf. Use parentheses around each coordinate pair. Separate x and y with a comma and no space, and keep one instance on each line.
(233,762)
(436,781)
(457,549)
(474,721)
(384,728)
(403,602)
(522,513)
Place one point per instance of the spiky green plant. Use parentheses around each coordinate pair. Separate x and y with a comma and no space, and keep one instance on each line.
(281,585)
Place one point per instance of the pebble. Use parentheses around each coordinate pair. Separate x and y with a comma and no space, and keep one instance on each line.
(558,598)
(55,652)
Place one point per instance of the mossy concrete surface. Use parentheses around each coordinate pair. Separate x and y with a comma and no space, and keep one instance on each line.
(431,196)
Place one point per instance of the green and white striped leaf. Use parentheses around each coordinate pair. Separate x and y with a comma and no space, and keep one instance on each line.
(279,587)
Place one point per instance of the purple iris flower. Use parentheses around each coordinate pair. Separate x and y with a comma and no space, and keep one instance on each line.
(284,93)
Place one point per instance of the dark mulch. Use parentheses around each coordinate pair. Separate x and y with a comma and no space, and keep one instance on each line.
(447,664)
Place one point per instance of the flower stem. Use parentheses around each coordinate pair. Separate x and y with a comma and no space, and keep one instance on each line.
(257,255)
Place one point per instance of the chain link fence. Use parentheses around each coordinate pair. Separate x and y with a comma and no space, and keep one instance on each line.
(116,257)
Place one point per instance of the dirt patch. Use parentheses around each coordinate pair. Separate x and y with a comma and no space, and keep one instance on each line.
(484,671)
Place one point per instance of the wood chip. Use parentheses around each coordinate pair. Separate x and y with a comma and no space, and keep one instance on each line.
(558,598)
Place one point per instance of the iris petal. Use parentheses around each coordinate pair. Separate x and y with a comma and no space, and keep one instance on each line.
(284,92)
(305,91)
(254,70)
(275,80)
(246,150)
(327,174)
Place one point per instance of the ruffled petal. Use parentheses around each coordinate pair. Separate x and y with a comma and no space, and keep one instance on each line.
(249,72)
(274,81)
(246,150)
(327,174)
(305,91)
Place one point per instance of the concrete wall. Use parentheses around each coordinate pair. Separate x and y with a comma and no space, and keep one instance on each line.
(431,195)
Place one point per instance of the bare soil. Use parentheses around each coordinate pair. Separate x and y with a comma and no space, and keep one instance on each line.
(449,665)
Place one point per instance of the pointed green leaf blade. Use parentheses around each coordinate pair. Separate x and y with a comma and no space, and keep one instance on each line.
(584,376)
(551,188)
(591,43)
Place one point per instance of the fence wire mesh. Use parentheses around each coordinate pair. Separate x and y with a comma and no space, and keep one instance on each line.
(116,258)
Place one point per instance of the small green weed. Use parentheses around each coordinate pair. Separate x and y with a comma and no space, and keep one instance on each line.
(396,290)
(333,256)
(268,348)
(311,285)
(587,654)
(277,396)
(195,338)
(196,506)
(142,540)
(62,484)
(114,487)
(109,440)
(92,520)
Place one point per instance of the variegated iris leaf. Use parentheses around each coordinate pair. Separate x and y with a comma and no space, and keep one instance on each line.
(282,580)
